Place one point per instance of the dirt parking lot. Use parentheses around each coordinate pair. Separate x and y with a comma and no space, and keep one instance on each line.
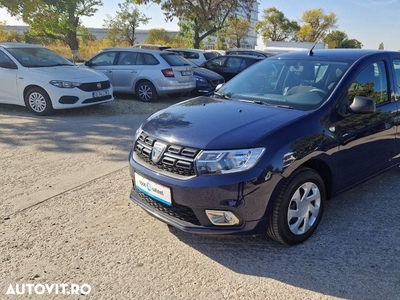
(66,218)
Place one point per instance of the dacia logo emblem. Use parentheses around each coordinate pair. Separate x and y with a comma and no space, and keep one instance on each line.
(158,151)
(99,85)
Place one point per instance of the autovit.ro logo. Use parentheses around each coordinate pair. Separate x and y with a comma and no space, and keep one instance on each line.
(48,289)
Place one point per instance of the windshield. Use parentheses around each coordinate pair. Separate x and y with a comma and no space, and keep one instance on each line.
(38,57)
(298,84)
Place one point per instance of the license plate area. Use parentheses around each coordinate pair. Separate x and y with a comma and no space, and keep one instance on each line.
(100,93)
(154,190)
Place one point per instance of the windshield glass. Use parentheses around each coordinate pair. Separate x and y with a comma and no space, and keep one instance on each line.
(38,57)
(298,84)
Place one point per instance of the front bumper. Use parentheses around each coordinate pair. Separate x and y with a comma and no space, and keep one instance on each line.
(248,200)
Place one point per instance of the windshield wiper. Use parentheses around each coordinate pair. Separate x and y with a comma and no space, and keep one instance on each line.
(223,96)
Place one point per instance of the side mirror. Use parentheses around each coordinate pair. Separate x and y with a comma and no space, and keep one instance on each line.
(219,86)
(360,105)
(8,65)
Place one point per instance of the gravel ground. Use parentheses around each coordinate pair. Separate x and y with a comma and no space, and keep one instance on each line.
(66,218)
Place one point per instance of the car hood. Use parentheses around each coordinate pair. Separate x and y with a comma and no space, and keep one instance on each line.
(203,72)
(211,123)
(72,73)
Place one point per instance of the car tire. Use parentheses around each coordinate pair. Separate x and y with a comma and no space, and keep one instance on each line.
(38,101)
(298,208)
(146,91)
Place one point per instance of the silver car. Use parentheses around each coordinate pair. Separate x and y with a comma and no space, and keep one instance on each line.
(146,73)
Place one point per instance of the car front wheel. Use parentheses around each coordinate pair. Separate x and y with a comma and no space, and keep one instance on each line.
(146,91)
(298,208)
(38,101)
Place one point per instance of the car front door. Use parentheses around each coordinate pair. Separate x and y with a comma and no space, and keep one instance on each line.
(104,62)
(8,79)
(366,141)
(128,66)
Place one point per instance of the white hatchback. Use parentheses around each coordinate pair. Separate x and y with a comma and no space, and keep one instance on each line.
(42,80)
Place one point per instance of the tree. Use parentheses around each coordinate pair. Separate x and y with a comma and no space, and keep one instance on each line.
(236,30)
(55,19)
(339,39)
(121,28)
(381,46)
(200,18)
(158,36)
(317,25)
(274,26)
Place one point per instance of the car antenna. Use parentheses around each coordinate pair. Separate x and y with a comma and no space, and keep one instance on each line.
(311,53)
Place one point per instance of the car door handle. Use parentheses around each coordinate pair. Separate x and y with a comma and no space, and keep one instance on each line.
(108,72)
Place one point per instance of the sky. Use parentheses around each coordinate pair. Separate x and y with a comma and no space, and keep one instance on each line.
(369,21)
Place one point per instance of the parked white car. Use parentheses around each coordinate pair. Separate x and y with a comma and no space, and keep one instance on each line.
(198,56)
(44,81)
(145,73)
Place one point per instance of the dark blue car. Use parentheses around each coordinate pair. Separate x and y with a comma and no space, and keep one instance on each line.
(266,151)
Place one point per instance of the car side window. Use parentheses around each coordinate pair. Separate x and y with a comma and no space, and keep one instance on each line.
(217,62)
(234,62)
(396,66)
(372,83)
(127,58)
(104,59)
(4,58)
(150,59)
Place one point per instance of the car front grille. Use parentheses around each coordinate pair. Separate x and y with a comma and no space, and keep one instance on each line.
(177,211)
(173,159)
(95,86)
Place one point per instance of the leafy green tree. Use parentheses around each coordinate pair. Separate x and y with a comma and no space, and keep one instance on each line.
(200,18)
(316,25)
(55,19)
(339,39)
(158,36)
(381,46)
(122,27)
(236,31)
(274,26)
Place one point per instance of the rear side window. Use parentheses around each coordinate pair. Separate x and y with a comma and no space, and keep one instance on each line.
(173,59)
(150,59)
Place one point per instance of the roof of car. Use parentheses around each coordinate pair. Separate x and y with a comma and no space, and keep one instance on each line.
(18,45)
(136,50)
(334,54)
(187,49)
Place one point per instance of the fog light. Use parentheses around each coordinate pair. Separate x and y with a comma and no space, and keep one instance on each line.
(222,218)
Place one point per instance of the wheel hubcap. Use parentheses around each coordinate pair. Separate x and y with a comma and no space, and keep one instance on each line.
(145,92)
(304,208)
(37,102)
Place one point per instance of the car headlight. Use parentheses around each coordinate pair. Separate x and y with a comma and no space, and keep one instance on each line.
(65,84)
(201,79)
(228,161)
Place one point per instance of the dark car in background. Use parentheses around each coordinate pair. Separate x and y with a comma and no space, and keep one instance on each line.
(206,80)
(230,65)
(272,145)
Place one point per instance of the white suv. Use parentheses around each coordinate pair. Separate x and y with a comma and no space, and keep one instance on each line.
(146,73)
(197,56)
